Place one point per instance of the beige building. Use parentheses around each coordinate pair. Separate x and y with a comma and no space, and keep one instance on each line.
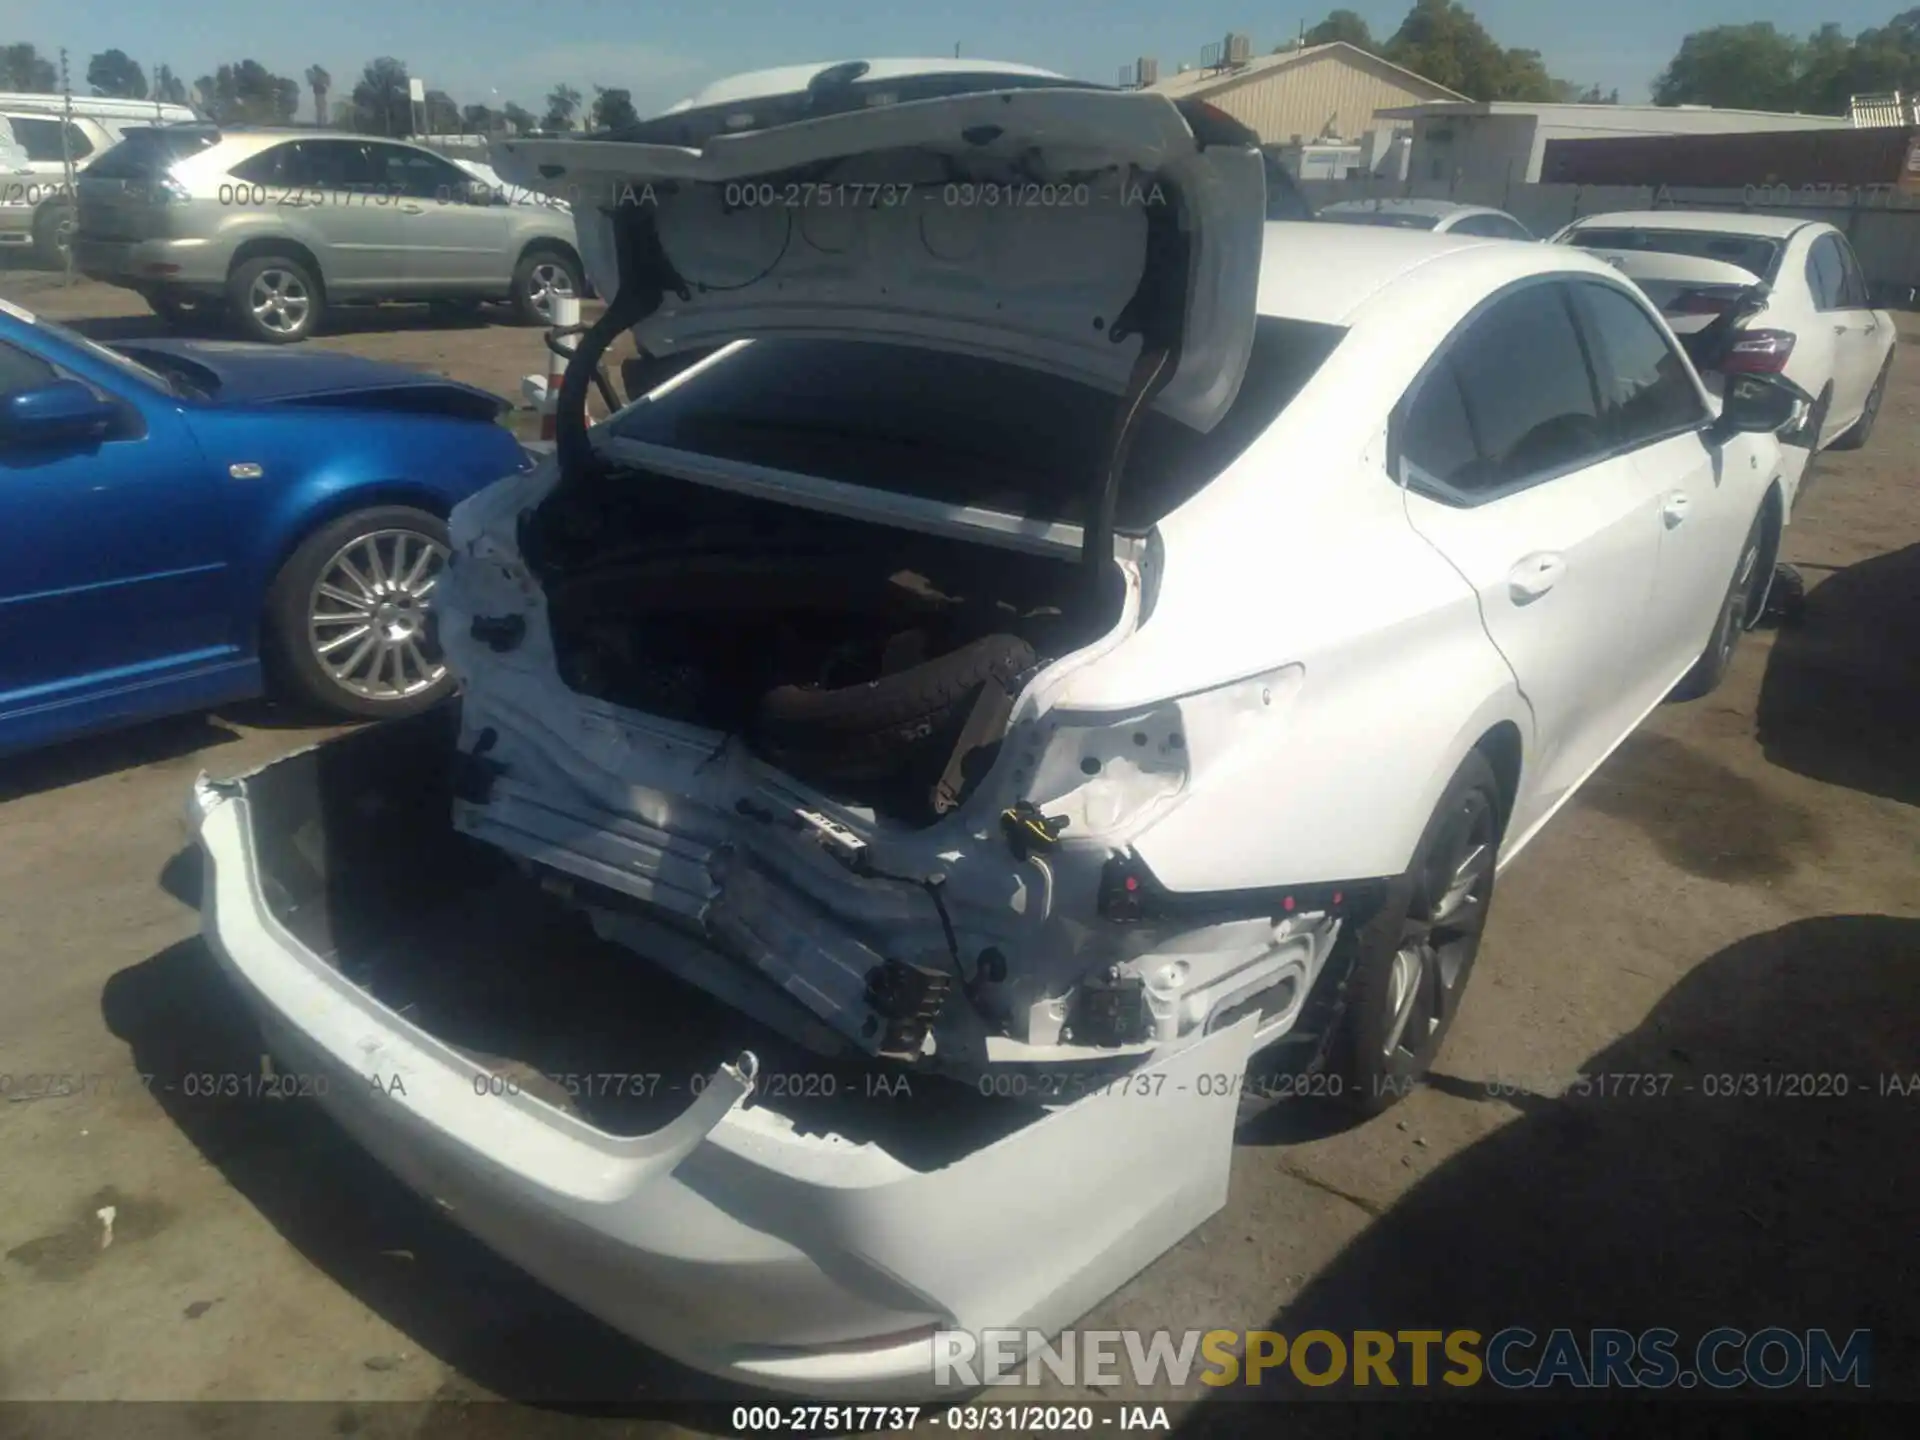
(1319,92)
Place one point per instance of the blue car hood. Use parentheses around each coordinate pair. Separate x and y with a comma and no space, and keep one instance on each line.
(235,373)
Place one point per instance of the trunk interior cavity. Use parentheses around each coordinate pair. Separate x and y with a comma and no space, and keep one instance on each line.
(838,648)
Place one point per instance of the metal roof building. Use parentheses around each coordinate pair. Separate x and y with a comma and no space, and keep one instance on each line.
(1328,91)
(1505,142)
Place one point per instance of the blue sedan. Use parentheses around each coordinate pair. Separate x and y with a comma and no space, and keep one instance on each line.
(183,523)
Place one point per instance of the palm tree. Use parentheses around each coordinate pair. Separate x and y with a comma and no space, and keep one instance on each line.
(319,81)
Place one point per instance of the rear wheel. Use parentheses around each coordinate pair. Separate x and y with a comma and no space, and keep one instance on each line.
(53,233)
(1407,967)
(1862,429)
(274,299)
(347,617)
(541,277)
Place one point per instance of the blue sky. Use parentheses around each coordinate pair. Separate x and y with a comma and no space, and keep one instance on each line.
(474,48)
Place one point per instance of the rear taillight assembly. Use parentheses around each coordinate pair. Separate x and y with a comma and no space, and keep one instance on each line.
(1758,352)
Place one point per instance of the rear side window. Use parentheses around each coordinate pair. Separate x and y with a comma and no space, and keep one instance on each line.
(40,138)
(1645,390)
(1853,283)
(270,167)
(148,152)
(1527,394)
(963,430)
(1826,274)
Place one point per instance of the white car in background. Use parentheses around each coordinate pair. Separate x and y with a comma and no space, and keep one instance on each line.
(1802,300)
(1042,653)
(1442,217)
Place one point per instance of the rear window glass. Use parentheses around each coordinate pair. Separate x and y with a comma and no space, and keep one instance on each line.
(961,430)
(148,152)
(1753,253)
(1395,219)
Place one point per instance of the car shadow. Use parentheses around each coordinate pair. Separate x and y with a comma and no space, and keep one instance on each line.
(88,757)
(1690,1198)
(504,1334)
(1840,701)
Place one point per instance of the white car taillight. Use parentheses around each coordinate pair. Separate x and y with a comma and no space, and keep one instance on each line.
(1111,773)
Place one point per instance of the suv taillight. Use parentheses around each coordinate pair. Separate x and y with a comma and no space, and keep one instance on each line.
(1758,352)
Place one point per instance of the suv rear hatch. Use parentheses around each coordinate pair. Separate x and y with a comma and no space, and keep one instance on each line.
(122,195)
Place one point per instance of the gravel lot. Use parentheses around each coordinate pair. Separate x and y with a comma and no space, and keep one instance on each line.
(1734,893)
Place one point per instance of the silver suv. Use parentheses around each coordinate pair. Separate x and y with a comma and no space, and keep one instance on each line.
(273,227)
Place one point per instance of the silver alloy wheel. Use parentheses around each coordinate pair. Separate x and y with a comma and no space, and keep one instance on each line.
(367,615)
(279,301)
(547,281)
(1436,946)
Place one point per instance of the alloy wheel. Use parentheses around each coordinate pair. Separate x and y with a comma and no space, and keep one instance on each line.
(1441,932)
(546,282)
(367,615)
(280,301)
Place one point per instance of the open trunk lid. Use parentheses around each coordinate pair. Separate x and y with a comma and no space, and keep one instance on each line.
(1057,226)
(1690,290)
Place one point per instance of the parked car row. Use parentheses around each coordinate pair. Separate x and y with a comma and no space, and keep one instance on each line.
(267,229)
(1096,643)
(39,136)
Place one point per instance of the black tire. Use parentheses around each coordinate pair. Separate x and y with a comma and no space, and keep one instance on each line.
(1786,597)
(1429,916)
(454,312)
(305,302)
(52,233)
(1745,599)
(887,721)
(186,316)
(529,277)
(1862,429)
(293,636)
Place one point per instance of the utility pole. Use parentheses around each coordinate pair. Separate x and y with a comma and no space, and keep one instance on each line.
(66,158)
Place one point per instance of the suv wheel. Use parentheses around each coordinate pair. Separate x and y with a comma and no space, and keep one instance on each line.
(274,299)
(53,233)
(541,277)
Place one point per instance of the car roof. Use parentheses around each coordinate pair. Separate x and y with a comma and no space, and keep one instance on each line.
(1326,274)
(791,79)
(1719,222)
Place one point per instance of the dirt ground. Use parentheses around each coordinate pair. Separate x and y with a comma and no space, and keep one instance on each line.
(1734,893)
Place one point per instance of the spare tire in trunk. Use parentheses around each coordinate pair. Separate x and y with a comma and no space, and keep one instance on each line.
(895,723)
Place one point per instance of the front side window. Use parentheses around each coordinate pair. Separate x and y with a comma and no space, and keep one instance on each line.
(1646,391)
(22,370)
(1526,392)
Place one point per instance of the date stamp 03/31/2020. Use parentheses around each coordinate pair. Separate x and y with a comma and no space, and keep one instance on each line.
(1043,1087)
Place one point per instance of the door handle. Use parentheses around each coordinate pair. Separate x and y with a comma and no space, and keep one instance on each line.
(1675,511)
(1534,577)
(1839,329)
(411,209)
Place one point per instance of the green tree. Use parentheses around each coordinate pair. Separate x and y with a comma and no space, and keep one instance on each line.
(519,119)
(563,101)
(249,94)
(443,113)
(168,86)
(1343,25)
(112,73)
(319,82)
(612,109)
(1740,67)
(23,68)
(380,101)
(479,120)
(1442,40)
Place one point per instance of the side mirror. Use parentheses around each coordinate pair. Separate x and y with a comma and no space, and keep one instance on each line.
(1760,405)
(66,410)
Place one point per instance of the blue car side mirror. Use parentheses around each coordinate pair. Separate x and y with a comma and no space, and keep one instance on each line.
(63,410)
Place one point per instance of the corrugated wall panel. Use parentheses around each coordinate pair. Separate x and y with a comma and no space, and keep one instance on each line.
(1301,100)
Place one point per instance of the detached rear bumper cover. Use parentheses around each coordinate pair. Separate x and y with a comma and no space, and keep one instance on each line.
(726,1239)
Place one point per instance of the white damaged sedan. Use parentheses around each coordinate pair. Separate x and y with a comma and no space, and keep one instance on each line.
(1052,635)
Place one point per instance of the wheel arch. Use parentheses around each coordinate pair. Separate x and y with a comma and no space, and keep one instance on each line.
(1505,750)
(536,243)
(263,246)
